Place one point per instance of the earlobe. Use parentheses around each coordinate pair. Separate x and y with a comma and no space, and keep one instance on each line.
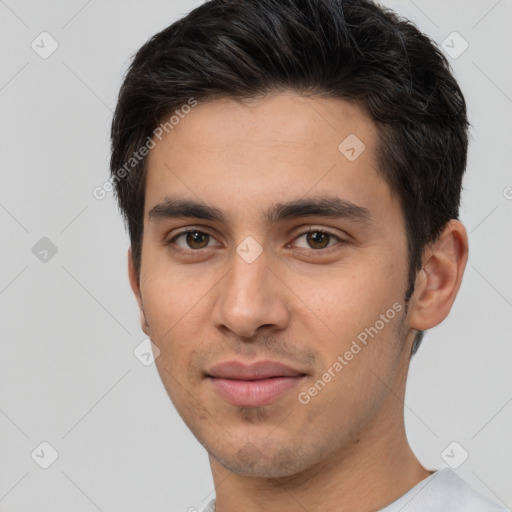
(135,285)
(438,282)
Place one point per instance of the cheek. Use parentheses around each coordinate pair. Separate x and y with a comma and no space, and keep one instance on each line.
(349,299)
(174,307)
(358,311)
(169,292)
(359,362)
(176,320)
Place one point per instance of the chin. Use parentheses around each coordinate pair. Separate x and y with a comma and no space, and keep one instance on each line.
(267,462)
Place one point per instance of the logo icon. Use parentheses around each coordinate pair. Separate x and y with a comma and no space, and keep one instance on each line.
(146,352)
(44,45)
(44,250)
(454,455)
(455,45)
(351,147)
(44,455)
(249,249)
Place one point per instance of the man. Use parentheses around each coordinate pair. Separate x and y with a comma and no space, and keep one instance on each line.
(290,174)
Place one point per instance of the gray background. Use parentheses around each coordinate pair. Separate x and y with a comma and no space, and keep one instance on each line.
(69,323)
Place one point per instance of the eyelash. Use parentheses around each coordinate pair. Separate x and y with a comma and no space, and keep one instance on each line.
(326,250)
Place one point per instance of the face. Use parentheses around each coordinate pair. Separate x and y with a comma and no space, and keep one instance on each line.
(274,266)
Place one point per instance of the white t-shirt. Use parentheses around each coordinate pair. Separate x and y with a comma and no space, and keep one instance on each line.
(443,491)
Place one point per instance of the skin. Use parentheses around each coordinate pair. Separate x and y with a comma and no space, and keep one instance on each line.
(300,302)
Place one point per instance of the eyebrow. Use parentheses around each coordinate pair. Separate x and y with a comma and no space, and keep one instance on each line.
(332,207)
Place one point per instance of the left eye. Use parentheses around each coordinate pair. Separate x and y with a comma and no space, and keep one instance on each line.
(317,239)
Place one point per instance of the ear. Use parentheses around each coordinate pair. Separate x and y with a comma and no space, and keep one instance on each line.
(439,280)
(135,284)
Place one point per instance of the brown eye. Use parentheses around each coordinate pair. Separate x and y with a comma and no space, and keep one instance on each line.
(318,239)
(192,240)
(197,240)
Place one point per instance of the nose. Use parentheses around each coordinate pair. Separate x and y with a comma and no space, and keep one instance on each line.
(251,297)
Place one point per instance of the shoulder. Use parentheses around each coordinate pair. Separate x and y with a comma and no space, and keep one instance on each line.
(210,507)
(463,496)
(444,490)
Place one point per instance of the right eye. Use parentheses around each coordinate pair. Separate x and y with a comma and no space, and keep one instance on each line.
(191,240)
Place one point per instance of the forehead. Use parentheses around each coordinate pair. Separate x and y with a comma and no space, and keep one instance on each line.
(263,150)
(280,119)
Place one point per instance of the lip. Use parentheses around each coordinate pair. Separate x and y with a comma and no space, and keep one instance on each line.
(253,385)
